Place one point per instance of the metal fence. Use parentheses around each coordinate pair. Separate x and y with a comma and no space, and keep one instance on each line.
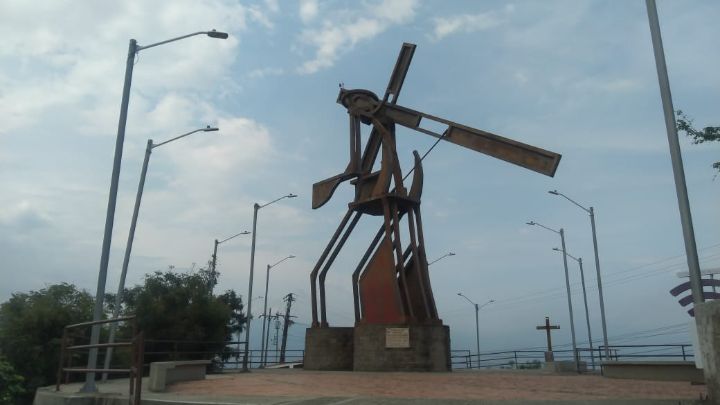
(226,356)
(525,359)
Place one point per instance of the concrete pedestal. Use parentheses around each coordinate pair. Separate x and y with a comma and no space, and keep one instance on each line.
(328,349)
(378,348)
(707,317)
(429,349)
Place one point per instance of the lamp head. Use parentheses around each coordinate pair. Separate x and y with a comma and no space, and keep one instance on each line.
(451,254)
(459,293)
(245,233)
(291,257)
(291,195)
(210,129)
(555,192)
(557,249)
(217,34)
(492,300)
(530,223)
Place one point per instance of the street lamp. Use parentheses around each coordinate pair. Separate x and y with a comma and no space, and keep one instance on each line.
(561,232)
(256,208)
(587,313)
(133,49)
(214,255)
(131,237)
(442,257)
(477,323)
(263,350)
(591,212)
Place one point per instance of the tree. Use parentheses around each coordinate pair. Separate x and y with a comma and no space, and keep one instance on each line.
(31,325)
(180,316)
(12,388)
(707,134)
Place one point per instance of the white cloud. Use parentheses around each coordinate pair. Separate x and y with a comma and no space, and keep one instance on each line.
(342,30)
(264,72)
(308,10)
(444,26)
(272,5)
(68,64)
(23,216)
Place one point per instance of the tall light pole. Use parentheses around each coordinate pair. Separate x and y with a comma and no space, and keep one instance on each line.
(477,323)
(214,255)
(587,313)
(675,155)
(263,351)
(256,208)
(591,212)
(131,236)
(561,232)
(448,254)
(133,49)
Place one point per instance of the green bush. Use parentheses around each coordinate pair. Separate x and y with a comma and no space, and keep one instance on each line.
(12,385)
(31,326)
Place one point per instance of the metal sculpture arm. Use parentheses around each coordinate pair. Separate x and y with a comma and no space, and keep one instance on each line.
(521,154)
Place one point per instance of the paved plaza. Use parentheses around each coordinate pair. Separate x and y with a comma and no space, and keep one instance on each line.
(467,387)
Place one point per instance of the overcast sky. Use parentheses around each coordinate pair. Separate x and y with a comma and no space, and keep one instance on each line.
(574,77)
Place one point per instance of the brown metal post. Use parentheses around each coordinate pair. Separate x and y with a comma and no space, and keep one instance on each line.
(140,353)
(321,260)
(62,354)
(330,260)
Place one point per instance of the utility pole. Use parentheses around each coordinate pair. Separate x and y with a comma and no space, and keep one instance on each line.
(263,356)
(276,340)
(289,299)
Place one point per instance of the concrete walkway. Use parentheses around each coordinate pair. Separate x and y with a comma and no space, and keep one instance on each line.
(496,387)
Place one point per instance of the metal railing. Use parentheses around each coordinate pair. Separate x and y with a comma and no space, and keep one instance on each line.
(225,355)
(519,359)
(135,370)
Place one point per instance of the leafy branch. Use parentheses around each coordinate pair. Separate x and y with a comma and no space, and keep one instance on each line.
(707,134)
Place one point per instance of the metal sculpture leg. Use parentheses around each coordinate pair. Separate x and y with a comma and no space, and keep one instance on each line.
(323,273)
(314,273)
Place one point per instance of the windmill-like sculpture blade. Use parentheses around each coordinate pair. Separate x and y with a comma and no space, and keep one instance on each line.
(521,154)
(399,72)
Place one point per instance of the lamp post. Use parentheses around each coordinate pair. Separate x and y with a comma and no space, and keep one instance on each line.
(133,49)
(587,313)
(263,351)
(214,255)
(256,208)
(131,237)
(675,156)
(561,232)
(477,323)
(448,254)
(591,212)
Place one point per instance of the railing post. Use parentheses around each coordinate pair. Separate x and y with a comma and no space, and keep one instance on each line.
(140,356)
(62,354)
(683,352)
(516,360)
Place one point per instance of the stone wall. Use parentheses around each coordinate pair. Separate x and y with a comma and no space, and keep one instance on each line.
(328,349)
(429,349)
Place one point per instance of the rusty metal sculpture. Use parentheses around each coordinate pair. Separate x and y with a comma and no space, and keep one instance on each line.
(391,283)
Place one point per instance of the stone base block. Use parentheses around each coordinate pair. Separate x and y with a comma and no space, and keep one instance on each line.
(401,348)
(328,349)
(653,370)
(707,318)
(549,357)
(568,366)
